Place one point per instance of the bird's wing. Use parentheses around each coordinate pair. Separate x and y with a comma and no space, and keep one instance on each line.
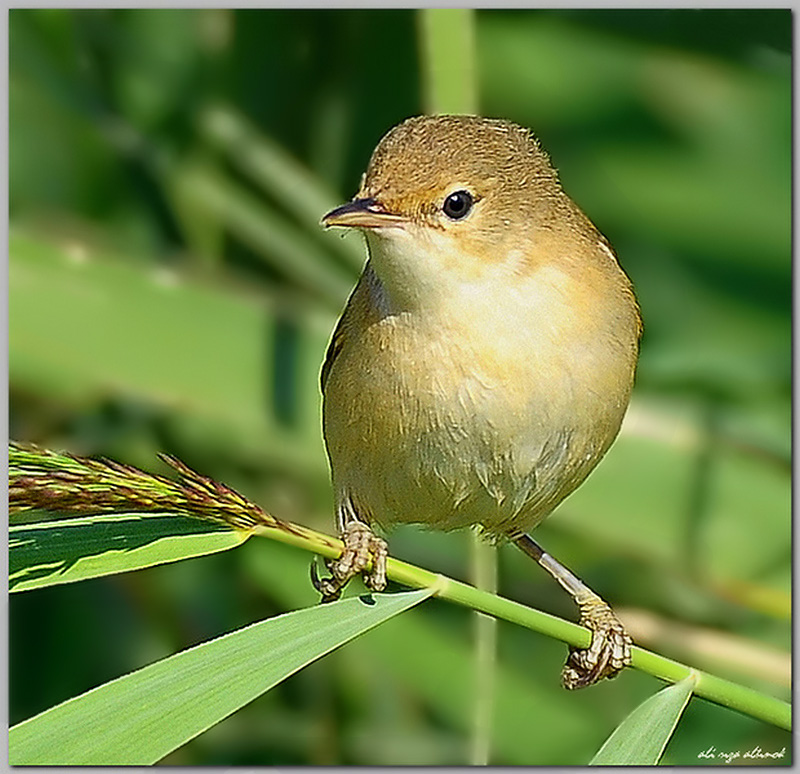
(334,348)
(359,311)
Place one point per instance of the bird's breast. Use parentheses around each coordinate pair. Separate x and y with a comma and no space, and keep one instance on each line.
(487,413)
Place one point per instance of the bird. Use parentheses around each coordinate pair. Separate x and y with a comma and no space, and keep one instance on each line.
(484,361)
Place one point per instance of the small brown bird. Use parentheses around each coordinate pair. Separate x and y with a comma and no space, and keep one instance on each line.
(484,361)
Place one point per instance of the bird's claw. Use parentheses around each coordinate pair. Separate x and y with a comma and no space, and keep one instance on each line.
(362,548)
(329,588)
(608,653)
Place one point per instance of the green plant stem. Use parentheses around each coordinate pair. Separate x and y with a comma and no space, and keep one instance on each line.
(448,73)
(483,570)
(447,47)
(714,689)
(45,480)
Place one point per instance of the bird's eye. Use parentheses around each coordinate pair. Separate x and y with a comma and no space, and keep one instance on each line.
(458,205)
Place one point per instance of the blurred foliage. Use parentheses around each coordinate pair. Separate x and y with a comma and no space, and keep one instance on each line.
(170,290)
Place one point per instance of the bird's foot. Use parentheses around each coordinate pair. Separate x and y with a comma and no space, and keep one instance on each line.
(608,653)
(362,548)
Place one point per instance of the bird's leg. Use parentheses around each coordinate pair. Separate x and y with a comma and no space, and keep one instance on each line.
(610,649)
(362,548)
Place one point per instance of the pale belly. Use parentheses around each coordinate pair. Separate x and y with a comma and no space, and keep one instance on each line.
(426,431)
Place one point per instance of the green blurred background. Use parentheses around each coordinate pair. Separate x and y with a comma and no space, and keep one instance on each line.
(170,290)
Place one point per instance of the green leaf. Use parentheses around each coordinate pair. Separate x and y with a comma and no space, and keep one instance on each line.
(139,718)
(641,738)
(199,352)
(281,176)
(48,553)
(276,240)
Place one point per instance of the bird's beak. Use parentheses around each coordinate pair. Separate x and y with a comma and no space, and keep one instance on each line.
(361,213)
